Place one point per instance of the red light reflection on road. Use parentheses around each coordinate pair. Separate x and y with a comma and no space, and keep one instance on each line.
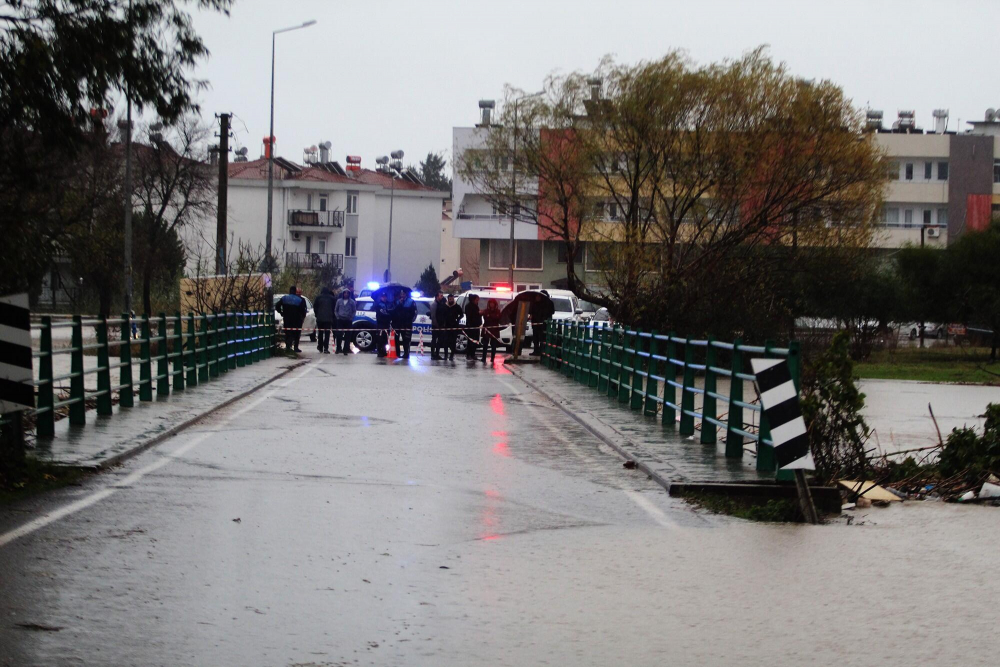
(496,404)
(502,449)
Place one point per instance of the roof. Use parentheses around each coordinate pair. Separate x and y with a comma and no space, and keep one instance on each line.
(286,170)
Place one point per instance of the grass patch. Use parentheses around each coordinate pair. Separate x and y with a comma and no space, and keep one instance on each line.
(967,365)
(752,509)
(29,477)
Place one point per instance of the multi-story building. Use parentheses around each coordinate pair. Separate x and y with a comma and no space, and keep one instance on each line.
(323,214)
(942,183)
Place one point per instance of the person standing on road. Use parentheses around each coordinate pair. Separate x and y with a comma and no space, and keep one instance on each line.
(491,329)
(402,321)
(540,312)
(436,333)
(449,315)
(293,312)
(343,313)
(473,321)
(323,307)
(383,320)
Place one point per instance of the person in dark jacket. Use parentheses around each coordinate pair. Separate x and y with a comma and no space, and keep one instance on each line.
(540,313)
(383,320)
(437,342)
(293,312)
(449,315)
(491,329)
(402,323)
(343,314)
(473,321)
(323,307)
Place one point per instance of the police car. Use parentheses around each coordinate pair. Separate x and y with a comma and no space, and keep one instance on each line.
(364,323)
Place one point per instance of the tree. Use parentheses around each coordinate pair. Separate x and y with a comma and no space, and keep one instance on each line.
(59,60)
(432,172)
(925,291)
(972,268)
(683,183)
(428,284)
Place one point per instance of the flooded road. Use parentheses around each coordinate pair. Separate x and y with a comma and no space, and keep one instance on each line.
(360,512)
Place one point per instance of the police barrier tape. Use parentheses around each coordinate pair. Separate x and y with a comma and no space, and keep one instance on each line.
(421,330)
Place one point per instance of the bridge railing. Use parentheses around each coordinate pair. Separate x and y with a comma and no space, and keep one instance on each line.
(185,351)
(658,374)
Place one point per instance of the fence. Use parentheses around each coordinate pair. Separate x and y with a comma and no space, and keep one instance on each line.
(199,348)
(656,374)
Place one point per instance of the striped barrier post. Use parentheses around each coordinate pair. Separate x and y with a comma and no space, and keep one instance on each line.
(765,452)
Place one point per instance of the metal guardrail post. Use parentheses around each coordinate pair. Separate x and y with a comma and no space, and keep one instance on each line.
(77,409)
(46,420)
(126,395)
(162,368)
(765,453)
(602,361)
(231,341)
(687,396)
(669,390)
(103,369)
(241,343)
(203,349)
(258,336)
(652,388)
(178,354)
(192,353)
(145,363)
(638,391)
(709,406)
(613,358)
(595,356)
(625,390)
(734,440)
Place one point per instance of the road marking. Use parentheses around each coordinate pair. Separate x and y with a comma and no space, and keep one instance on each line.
(644,503)
(98,496)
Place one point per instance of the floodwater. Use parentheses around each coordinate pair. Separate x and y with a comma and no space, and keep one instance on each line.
(375,513)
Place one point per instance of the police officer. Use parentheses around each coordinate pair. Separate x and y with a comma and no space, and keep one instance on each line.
(383,319)
(402,322)
(449,315)
(473,321)
(293,312)
(323,307)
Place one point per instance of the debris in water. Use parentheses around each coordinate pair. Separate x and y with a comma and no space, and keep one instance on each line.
(630,465)
(38,627)
(236,520)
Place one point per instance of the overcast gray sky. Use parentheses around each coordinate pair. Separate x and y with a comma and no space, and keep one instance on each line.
(374,76)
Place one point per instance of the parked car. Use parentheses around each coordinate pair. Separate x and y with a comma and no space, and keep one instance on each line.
(567,305)
(364,323)
(503,297)
(310,322)
(931,330)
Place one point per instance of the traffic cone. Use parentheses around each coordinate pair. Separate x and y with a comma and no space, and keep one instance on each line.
(392,344)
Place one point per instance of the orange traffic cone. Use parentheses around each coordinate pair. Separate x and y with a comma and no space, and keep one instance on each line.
(392,344)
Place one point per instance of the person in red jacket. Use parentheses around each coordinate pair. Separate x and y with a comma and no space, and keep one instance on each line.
(491,329)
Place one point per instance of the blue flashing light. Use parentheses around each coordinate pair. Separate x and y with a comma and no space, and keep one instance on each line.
(373,285)
(416,294)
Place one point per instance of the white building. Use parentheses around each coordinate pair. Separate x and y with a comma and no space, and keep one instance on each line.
(323,214)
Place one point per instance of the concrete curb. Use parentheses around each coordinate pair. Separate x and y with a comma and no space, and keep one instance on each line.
(597,431)
(174,430)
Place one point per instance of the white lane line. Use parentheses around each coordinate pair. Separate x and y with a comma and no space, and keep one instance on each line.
(97,496)
(644,503)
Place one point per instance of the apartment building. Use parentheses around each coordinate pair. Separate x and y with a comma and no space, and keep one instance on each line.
(325,214)
(942,183)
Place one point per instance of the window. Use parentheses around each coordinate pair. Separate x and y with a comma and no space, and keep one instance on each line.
(942,218)
(309,244)
(927,216)
(909,171)
(528,255)
(942,171)
(352,202)
(908,217)
(322,245)
(891,216)
(996,171)
(893,171)
(309,202)
(613,211)
(928,170)
(322,202)
(563,304)
(499,254)
(351,246)
(599,210)
(561,252)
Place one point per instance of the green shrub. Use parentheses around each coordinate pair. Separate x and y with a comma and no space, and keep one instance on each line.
(965,450)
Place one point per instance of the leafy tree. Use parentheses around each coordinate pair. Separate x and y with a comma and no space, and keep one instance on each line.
(428,284)
(972,269)
(432,172)
(925,292)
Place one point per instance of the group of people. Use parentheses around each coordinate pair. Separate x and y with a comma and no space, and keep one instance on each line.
(398,314)
(333,315)
(481,329)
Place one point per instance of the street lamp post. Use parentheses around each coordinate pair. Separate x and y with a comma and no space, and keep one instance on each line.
(397,164)
(513,187)
(270,150)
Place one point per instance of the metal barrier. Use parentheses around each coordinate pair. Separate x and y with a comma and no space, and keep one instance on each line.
(656,373)
(210,346)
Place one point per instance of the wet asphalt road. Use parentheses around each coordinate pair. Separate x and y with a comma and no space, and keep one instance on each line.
(361,512)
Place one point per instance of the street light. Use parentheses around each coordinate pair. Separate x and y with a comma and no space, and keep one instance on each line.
(513,185)
(396,163)
(270,151)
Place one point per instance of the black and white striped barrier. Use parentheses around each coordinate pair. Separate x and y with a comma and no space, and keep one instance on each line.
(16,391)
(780,401)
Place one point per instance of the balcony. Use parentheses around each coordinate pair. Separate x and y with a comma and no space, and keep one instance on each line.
(302,220)
(313,260)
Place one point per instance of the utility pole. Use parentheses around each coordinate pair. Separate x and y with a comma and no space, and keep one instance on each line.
(128,204)
(221,234)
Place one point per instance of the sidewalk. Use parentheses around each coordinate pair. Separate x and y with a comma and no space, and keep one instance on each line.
(657,450)
(105,441)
